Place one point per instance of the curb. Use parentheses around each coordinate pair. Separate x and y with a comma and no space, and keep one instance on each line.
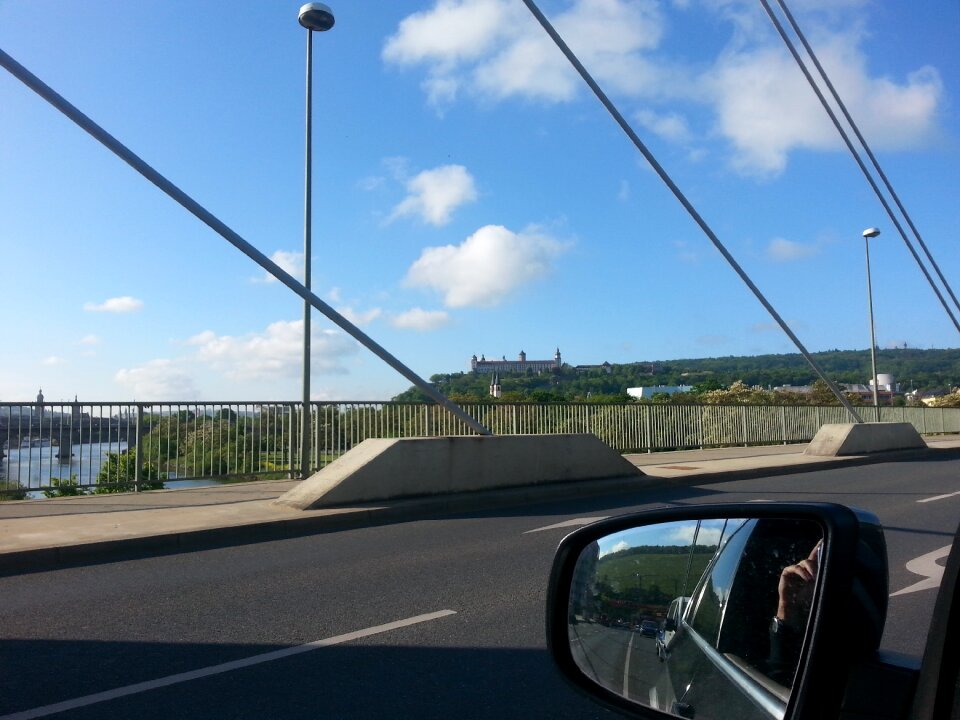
(44,559)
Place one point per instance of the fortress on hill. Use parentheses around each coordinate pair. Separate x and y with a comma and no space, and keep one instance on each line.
(520,365)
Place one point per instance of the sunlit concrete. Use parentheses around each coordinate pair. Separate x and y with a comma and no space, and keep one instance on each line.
(835,439)
(383,469)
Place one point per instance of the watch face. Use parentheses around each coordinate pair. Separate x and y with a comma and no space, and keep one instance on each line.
(776,625)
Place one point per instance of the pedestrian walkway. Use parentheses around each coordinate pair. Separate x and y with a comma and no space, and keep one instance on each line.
(40,533)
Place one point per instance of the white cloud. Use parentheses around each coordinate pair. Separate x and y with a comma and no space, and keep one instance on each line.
(684,534)
(275,352)
(419,319)
(453,31)
(360,318)
(780,250)
(370,183)
(435,194)
(495,48)
(669,126)
(486,267)
(53,360)
(89,340)
(123,304)
(622,545)
(289,261)
(765,107)
(159,379)
(761,105)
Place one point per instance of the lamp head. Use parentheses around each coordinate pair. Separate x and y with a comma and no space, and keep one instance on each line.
(871,232)
(316,16)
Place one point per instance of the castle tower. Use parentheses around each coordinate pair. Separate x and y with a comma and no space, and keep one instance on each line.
(523,356)
(558,363)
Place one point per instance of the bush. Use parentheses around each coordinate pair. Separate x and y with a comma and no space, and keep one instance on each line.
(65,487)
(118,472)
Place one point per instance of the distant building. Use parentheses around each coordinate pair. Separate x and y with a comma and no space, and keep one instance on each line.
(495,389)
(800,389)
(647,393)
(606,368)
(887,387)
(520,365)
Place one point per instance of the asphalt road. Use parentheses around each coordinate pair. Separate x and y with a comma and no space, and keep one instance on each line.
(433,618)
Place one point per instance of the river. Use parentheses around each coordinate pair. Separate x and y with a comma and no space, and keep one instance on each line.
(35,467)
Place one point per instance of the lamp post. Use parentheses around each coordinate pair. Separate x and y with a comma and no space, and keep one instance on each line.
(867,234)
(313,16)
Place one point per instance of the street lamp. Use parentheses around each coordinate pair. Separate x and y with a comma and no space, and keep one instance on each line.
(319,17)
(867,234)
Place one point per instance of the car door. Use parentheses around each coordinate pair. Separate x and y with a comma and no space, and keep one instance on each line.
(720,655)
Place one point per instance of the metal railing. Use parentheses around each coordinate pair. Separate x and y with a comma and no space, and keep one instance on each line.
(68,448)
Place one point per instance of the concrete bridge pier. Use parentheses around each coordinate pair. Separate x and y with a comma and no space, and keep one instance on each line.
(65,453)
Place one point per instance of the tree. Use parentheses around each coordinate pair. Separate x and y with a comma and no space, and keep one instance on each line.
(948,401)
(118,472)
(821,394)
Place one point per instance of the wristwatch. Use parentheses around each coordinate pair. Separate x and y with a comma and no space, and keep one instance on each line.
(780,628)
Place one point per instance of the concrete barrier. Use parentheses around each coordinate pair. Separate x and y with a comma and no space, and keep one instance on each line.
(383,469)
(863,438)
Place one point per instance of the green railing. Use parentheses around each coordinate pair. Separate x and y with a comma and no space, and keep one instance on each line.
(50,447)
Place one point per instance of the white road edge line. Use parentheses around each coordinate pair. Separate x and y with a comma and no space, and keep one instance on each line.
(565,523)
(939,497)
(218,669)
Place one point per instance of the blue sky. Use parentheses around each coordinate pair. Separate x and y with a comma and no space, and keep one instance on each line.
(469,195)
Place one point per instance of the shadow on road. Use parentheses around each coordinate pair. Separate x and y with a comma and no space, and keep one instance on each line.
(350,681)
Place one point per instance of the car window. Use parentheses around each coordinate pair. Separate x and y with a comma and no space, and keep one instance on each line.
(710,597)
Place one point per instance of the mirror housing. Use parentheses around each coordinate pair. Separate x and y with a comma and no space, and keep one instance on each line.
(846,618)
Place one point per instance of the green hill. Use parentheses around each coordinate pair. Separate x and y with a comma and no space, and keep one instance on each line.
(925,370)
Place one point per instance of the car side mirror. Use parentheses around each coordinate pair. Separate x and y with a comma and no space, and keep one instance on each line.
(755,602)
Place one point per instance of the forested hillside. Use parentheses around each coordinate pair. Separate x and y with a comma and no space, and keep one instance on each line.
(925,370)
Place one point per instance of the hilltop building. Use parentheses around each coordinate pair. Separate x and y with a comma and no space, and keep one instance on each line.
(647,393)
(520,365)
(605,368)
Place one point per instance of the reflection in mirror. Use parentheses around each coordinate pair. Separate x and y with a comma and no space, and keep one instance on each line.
(697,618)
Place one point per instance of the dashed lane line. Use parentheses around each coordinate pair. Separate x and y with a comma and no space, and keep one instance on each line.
(626,668)
(222,668)
(939,497)
(565,523)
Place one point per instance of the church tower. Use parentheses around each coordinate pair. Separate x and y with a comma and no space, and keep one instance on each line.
(495,389)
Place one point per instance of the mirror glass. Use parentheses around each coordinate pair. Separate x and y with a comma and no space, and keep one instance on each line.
(698,618)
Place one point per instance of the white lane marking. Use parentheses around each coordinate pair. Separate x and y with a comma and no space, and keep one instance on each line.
(939,497)
(565,523)
(218,669)
(925,565)
(626,668)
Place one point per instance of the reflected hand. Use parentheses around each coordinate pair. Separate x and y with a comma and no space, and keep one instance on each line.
(796,589)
